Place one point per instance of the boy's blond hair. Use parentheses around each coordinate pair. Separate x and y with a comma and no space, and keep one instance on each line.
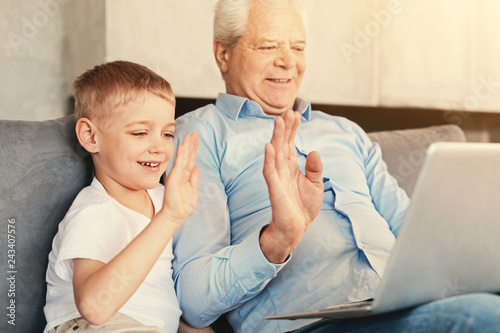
(106,87)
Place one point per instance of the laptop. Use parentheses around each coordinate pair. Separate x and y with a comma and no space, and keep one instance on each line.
(449,242)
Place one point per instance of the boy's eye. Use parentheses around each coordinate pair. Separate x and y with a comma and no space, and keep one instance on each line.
(139,133)
(168,135)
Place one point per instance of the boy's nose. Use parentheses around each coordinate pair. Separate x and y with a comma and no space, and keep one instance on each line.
(158,145)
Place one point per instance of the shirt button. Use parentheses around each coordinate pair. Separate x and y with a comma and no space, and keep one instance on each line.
(361,246)
(259,276)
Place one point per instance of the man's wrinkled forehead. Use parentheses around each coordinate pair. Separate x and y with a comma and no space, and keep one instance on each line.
(267,22)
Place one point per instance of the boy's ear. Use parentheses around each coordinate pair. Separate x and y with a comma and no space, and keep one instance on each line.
(86,132)
(221,53)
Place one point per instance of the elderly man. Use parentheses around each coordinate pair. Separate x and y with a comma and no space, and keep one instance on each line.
(279,229)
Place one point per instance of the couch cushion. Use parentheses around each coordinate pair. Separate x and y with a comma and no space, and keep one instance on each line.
(42,170)
(404,150)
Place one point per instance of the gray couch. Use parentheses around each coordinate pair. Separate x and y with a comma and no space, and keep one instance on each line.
(42,168)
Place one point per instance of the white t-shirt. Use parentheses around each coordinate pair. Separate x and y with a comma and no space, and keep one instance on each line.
(98,227)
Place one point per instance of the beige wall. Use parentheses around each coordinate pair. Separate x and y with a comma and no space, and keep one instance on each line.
(85,45)
(31,53)
(426,53)
(44,44)
(172,37)
(416,53)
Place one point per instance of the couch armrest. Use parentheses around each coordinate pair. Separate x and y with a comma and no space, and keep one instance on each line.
(404,150)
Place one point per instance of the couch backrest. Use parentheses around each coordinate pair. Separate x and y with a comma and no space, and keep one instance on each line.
(404,150)
(42,168)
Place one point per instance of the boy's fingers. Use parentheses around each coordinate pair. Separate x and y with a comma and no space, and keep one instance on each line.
(187,140)
(185,150)
(180,158)
(194,149)
(195,177)
(188,158)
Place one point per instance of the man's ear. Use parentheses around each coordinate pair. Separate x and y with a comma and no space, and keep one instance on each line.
(86,132)
(221,52)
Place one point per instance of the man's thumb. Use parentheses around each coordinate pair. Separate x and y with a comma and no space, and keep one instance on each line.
(314,168)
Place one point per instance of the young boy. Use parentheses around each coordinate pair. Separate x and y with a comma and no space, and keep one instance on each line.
(110,265)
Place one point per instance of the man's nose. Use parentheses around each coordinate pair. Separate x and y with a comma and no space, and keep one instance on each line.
(286,58)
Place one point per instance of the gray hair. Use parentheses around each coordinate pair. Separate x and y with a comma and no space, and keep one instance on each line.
(231,17)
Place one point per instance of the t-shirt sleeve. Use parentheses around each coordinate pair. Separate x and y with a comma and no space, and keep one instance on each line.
(92,232)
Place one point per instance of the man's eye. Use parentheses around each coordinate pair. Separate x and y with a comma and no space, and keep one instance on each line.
(298,48)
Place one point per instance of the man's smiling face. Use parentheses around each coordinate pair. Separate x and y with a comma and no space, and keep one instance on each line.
(268,62)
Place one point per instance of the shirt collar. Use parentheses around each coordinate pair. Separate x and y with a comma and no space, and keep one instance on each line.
(234,106)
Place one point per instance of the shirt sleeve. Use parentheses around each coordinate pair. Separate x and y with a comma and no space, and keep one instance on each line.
(213,276)
(389,199)
(90,233)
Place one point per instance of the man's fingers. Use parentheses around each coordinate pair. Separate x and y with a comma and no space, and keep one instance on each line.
(314,168)
(278,132)
(277,141)
(271,176)
(269,161)
(270,168)
(293,132)
(289,119)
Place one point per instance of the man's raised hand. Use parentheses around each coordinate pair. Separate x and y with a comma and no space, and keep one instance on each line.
(295,197)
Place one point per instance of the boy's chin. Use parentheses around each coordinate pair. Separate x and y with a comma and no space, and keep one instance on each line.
(152,185)
(148,182)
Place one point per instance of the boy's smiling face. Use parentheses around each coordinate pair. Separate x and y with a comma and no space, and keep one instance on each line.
(135,144)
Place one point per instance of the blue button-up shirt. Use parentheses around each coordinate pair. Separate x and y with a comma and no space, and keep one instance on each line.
(219,266)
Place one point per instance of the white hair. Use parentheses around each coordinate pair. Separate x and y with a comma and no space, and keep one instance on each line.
(231,16)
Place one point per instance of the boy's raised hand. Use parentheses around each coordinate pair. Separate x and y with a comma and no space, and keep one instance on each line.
(181,184)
